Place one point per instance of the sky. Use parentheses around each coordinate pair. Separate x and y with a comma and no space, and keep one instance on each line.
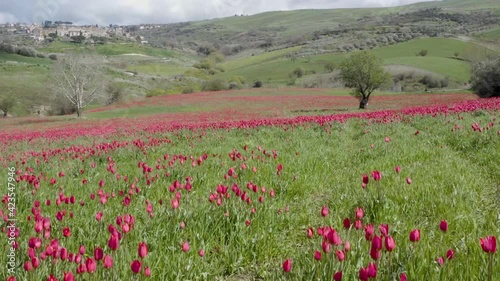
(123,12)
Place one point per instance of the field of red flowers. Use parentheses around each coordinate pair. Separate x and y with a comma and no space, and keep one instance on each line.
(410,192)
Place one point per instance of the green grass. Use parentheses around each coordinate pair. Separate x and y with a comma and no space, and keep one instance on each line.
(109,49)
(22,59)
(274,68)
(457,70)
(492,35)
(454,174)
(158,69)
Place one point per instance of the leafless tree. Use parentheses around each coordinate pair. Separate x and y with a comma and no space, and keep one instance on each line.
(77,78)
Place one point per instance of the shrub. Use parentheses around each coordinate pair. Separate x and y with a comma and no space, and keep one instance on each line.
(26,51)
(299,72)
(291,81)
(188,90)
(40,55)
(214,85)
(430,82)
(238,79)
(114,93)
(485,82)
(329,67)
(8,48)
(445,82)
(423,53)
(257,84)
(234,85)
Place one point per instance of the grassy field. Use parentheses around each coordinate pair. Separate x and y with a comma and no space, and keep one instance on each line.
(235,204)
(109,49)
(274,68)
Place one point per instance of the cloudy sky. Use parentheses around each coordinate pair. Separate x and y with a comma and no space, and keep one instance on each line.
(104,12)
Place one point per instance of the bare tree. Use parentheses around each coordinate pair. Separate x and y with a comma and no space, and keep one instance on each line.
(78,79)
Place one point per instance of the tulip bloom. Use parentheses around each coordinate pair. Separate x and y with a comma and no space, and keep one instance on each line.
(489,244)
(443,226)
(317,255)
(389,243)
(185,247)
(337,276)
(136,266)
(107,261)
(340,255)
(324,211)
(287,265)
(142,250)
(376,175)
(415,235)
(365,179)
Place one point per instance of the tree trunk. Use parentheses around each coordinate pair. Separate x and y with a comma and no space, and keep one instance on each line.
(78,112)
(5,114)
(363,103)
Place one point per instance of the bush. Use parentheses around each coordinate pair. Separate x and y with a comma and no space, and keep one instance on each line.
(291,81)
(188,90)
(53,56)
(114,93)
(234,86)
(237,79)
(298,72)
(257,84)
(430,82)
(445,82)
(329,67)
(27,51)
(423,53)
(214,85)
(485,82)
(8,48)
(40,55)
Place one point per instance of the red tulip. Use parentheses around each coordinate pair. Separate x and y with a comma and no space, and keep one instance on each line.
(107,261)
(402,277)
(287,265)
(113,242)
(376,175)
(142,250)
(91,265)
(347,246)
(449,254)
(66,232)
(185,246)
(28,266)
(359,213)
(310,232)
(389,243)
(372,270)
(201,253)
(387,139)
(384,229)
(340,255)
(324,211)
(365,179)
(136,266)
(363,274)
(98,253)
(374,253)
(440,261)
(52,278)
(443,226)
(147,271)
(68,276)
(397,169)
(369,232)
(347,223)
(415,235)
(337,276)
(317,255)
(358,224)
(489,244)
(377,242)
(408,181)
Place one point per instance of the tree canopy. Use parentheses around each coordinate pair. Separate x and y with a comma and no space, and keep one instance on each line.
(364,72)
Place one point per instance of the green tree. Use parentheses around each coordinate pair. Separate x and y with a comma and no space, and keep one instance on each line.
(485,82)
(6,105)
(364,72)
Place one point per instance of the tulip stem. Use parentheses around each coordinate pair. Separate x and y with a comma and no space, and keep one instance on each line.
(490,267)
